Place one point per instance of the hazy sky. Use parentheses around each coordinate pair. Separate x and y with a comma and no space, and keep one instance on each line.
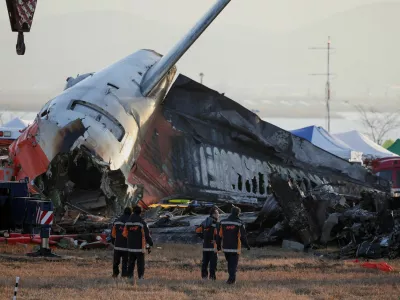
(272,15)
(254,50)
(158,24)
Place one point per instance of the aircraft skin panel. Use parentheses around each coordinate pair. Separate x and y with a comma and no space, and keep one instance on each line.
(203,145)
(103,113)
(27,153)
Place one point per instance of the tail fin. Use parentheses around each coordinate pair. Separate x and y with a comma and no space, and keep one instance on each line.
(161,68)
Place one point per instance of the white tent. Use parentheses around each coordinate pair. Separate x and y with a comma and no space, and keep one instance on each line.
(16,123)
(322,139)
(362,143)
(12,129)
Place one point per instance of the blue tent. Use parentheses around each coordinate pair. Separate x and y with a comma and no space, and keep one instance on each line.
(322,139)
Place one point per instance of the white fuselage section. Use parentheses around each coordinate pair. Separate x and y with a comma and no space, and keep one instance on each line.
(111,107)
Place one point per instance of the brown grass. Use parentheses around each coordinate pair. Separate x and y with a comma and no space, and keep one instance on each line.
(173,272)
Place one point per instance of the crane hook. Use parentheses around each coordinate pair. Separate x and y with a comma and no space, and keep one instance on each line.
(20,47)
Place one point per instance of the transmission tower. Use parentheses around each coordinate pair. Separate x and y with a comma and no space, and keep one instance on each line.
(328,75)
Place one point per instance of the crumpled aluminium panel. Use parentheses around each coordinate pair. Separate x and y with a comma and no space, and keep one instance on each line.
(204,145)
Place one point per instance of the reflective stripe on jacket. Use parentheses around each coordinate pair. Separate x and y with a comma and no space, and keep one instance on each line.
(232,234)
(208,230)
(137,233)
(120,242)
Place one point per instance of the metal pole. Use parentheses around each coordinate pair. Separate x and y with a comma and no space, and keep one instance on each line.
(45,235)
(201,77)
(328,83)
(16,288)
(328,96)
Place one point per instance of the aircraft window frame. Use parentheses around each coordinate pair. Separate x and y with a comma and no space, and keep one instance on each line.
(102,112)
(45,110)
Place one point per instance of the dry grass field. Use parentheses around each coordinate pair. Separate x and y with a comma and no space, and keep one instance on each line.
(172,272)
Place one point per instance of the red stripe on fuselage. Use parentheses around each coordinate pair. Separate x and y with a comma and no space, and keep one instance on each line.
(27,153)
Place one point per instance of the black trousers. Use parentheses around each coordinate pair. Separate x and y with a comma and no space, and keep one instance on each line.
(209,258)
(132,258)
(118,254)
(233,260)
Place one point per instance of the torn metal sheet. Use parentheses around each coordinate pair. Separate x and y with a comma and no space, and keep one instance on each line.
(181,229)
(321,215)
(300,217)
(203,145)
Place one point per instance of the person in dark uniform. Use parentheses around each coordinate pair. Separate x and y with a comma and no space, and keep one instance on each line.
(138,235)
(232,235)
(208,231)
(119,241)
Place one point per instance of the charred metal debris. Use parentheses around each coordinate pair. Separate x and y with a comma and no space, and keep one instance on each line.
(366,227)
(198,145)
(292,216)
(203,146)
(315,219)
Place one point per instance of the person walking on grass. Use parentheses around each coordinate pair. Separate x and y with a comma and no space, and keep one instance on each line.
(232,235)
(208,231)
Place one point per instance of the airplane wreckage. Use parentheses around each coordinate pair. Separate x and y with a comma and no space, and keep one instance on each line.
(129,135)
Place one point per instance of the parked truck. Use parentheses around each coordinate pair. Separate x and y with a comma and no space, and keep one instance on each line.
(19,210)
(388,168)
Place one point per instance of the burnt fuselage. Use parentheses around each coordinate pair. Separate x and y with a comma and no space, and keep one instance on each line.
(89,136)
(203,145)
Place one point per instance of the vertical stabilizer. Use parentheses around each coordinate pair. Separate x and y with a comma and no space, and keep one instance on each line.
(158,71)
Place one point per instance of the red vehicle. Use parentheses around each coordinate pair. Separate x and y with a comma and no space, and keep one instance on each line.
(388,168)
(7,137)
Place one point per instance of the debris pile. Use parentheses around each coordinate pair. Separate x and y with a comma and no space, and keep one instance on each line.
(75,229)
(75,221)
(302,218)
(362,228)
(69,241)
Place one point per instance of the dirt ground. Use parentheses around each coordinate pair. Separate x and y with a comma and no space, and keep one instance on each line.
(173,272)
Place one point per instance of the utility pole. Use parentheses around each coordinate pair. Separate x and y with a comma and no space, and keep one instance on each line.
(201,77)
(328,82)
